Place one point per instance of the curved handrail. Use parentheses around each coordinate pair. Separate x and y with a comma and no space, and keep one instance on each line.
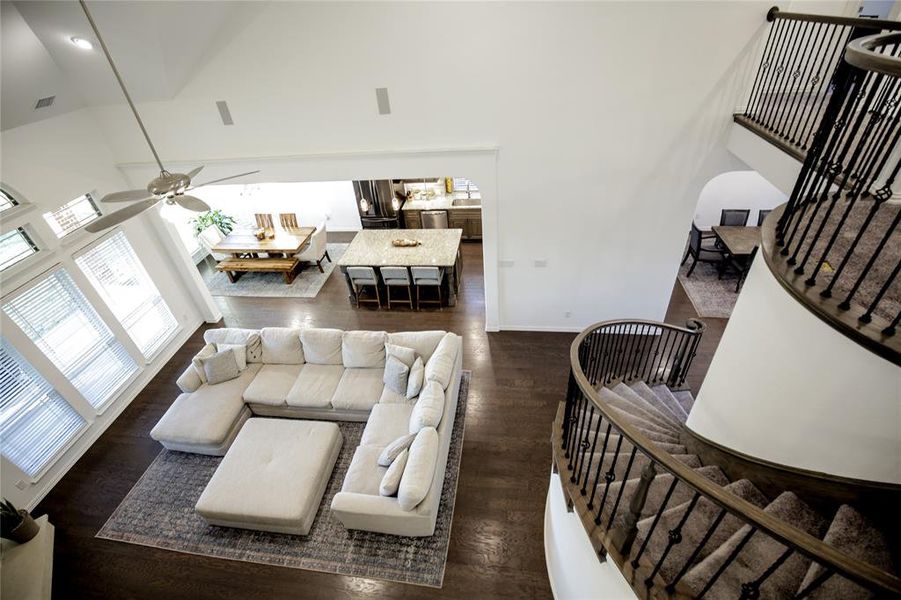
(774,13)
(862,54)
(815,549)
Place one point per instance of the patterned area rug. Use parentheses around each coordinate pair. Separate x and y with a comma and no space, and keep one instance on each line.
(710,296)
(272,285)
(159,512)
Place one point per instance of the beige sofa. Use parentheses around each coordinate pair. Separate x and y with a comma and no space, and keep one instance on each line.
(327,374)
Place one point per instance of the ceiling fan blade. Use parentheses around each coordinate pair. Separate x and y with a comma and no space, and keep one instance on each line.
(192,203)
(126,196)
(114,218)
(223,179)
(193,172)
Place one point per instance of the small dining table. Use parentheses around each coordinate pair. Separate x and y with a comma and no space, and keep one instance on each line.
(438,248)
(287,240)
(739,241)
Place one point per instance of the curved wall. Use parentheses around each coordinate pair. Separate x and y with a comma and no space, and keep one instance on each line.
(786,387)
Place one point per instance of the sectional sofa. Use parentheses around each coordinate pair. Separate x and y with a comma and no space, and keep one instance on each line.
(329,374)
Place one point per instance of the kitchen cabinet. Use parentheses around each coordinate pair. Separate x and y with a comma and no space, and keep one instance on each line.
(467,219)
(412,219)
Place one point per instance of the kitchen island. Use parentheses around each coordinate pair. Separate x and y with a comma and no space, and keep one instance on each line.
(439,248)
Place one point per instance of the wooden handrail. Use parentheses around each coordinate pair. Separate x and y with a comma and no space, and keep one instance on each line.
(815,549)
(774,13)
(862,54)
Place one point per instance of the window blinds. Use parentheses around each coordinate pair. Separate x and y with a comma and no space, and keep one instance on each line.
(119,277)
(57,317)
(35,421)
(72,215)
(15,246)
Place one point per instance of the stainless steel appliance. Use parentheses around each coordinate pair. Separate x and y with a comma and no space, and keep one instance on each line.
(434,219)
(377,204)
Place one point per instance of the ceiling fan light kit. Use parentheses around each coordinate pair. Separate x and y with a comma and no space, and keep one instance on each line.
(167,187)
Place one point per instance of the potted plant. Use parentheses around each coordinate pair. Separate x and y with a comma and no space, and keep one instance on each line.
(16,524)
(216,217)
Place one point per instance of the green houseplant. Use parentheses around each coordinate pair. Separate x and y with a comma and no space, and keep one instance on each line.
(16,524)
(216,217)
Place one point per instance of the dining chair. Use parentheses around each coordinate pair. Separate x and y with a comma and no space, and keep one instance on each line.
(315,250)
(263,220)
(761,215)
(288,220)
(735,216)
(397,277)
(699,252)
(209,238)
(741,265)
(361,278)
(430,277)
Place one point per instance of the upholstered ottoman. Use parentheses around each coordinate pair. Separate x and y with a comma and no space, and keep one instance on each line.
(273,476)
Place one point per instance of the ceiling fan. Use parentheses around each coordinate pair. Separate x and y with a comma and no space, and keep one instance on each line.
(167,187)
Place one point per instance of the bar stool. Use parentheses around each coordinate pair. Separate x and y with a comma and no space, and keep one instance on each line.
(395,277)
(288,220)
(361,277)
(427,277)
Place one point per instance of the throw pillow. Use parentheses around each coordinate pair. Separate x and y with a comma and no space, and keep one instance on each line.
(393,449)
(281,346)
(391,480)
(395,377)
(240,351)
(232,335)
(414,379)
(428,409)
(321,346)
(419,471)
(220,367)
(205,352)
(440,367)
(404,354)
(363,349)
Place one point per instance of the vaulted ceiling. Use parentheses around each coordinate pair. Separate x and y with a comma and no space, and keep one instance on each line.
(157,47)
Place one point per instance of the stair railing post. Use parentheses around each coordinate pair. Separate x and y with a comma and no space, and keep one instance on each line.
(629,529)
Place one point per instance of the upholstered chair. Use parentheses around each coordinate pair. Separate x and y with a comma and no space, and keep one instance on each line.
(360,279)
(209,238)
(395,278)
(428,277)
(315,250)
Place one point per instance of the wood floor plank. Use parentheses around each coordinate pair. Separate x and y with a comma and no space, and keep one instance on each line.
(496,547)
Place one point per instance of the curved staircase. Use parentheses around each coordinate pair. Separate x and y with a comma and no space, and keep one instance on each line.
(685,542)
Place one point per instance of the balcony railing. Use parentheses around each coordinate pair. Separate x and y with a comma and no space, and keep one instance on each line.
(796,76)
(586,426)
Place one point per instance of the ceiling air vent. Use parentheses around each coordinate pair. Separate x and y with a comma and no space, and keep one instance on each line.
(224,113)
(44,102)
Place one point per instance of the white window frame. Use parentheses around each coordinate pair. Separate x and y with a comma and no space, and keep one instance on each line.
(29,238)
(51,216)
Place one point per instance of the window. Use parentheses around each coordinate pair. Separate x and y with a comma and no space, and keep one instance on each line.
(6,200)
(465,186)
(120,278)
(15,246)
(72,215)
(36,423)
(57,317)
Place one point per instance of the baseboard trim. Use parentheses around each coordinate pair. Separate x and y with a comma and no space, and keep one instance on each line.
(541,328)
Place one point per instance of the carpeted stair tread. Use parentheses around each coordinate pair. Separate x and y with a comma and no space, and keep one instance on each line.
(657,491)
(685,399)
(659,434)
(670,401)
(644,390)
(635,414)
(644,408)
(627,445)
(619,469)
(695,528)
(856,536)
(758,554)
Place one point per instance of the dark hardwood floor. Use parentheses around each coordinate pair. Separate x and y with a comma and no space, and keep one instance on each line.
(496,547)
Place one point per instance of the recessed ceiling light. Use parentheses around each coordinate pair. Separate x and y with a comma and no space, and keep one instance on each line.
(82,43)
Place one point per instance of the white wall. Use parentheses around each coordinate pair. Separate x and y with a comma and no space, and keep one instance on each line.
(785,387)
(736,189)
(607,119)
(50,163)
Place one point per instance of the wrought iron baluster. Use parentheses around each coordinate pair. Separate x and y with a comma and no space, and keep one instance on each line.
(846,303)
(893,326)
(789,77)
(817,582)
(597,474)
(697,551)
(770,76)
(584,444)
(594,444)
(750,590)
(764,64)
(656,520)
(868,315)
(673,537)
(622,487)
(729,560)
(810,65)
(609,477)
(781,71)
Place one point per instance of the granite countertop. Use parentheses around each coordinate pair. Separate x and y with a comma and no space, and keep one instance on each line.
(437,203)
(372,248)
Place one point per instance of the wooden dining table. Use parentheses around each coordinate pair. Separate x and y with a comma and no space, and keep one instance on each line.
(287,241)
(739,241)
